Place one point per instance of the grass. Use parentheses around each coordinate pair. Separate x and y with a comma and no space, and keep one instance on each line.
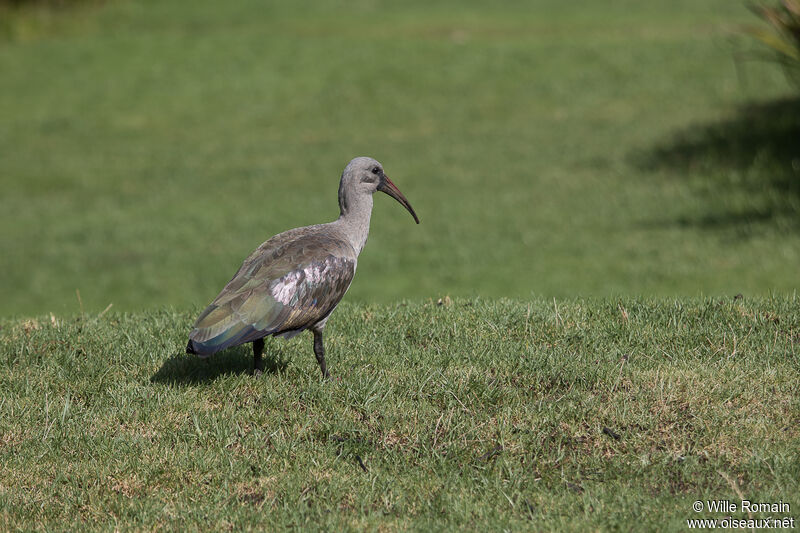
(550,149)
(473,414)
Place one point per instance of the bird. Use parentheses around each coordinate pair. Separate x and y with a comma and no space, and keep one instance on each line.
(294,280)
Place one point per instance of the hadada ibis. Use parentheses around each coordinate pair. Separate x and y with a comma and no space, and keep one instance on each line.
(296,279)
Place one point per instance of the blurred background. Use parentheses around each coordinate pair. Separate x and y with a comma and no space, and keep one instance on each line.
(550,148)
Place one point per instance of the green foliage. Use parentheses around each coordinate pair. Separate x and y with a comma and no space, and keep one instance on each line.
(783,36)
(470,415)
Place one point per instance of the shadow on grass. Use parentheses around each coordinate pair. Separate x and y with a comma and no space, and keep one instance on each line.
(186,369)
(755,153)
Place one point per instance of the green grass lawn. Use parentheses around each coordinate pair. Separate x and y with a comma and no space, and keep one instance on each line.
(550,148)
(605,165)
(472,415)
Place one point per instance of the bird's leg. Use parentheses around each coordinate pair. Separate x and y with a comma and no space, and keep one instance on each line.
(258,362)
(319,351)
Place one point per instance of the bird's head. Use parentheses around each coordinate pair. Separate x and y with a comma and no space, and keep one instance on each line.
(364,176)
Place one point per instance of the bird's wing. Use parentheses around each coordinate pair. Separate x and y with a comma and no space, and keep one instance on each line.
(289,283)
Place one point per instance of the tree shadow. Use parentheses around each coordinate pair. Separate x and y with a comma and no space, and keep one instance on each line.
(186,369)
(755,152)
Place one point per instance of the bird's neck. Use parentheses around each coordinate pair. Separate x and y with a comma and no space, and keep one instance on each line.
(354,220)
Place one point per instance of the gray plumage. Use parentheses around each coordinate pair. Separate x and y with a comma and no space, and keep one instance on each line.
(293,281)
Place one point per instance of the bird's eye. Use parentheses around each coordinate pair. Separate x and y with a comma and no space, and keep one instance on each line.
(376,170)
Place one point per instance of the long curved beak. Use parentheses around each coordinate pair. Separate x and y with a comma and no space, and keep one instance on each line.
(391,189)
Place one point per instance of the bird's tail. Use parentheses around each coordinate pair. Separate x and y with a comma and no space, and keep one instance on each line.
(191,348)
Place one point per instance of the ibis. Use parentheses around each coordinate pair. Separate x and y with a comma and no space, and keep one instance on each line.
(295,280)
